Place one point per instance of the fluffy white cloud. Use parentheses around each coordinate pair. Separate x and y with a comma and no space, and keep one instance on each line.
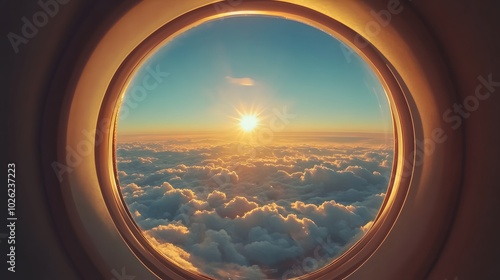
(237,207)
(216,198)
(175,233)
(221,213)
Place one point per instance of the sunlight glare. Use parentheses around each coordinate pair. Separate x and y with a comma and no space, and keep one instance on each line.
(248,122)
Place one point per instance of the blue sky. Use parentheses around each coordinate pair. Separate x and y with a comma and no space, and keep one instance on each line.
(256,64)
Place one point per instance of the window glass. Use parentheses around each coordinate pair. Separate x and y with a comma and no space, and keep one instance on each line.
(254,147)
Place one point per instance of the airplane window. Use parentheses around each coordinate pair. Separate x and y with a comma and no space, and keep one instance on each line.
(254,147)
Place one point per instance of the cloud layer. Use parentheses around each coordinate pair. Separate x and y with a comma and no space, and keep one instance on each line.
(222,212)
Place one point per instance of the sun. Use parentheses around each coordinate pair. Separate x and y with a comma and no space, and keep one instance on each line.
(248,122)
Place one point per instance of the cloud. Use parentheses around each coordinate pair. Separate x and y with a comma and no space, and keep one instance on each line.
(173,253)
(216,198)
(238,206)
(171,233)
(241,81)
(226,214)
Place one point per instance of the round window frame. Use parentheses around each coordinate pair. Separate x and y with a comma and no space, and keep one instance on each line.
(409,125)
(200,16)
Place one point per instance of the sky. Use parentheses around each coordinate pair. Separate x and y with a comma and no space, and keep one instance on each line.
(220,70)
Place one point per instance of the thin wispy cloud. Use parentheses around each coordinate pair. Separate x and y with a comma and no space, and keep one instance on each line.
(247,82)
